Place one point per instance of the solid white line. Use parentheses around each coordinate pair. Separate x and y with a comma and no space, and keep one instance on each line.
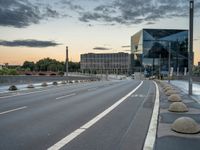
(151,135)
(8,111)
(83,128)
(66,96)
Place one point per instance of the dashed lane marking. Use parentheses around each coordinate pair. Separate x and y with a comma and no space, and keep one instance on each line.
(69,95)
(12,110)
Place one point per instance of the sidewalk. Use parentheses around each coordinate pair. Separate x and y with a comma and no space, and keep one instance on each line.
(166,138)
(183,85)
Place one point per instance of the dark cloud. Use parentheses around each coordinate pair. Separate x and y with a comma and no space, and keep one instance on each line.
(28,43)
(101,48)
(22,13)
(18,13)
(71,5)
(138,11)
(51,13)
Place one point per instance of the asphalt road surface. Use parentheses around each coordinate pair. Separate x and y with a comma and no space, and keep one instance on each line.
(105,115)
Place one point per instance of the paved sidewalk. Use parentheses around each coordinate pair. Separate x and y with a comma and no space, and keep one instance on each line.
(183,85)
(168,139)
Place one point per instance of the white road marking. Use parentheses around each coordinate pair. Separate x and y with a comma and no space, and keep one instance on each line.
(12,110)
(92,89)
(151,135)
(83,128)
(66,96)
(18,94)
(140,95)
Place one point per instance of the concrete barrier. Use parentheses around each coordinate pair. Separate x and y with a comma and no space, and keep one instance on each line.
(14,80)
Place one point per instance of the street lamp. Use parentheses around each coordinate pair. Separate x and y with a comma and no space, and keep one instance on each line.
(169,63)
(190,55)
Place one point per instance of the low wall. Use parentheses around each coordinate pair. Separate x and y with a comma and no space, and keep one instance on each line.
(8,80)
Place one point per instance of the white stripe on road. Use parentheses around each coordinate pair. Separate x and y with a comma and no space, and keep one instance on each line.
(151,135)
(12,110)
(83,128)
(18,94)
(92,89)
(66,96)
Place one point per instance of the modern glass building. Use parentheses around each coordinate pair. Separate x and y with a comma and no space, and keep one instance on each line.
(150,50)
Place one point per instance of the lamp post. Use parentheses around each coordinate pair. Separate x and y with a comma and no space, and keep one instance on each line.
(190,55)
(169,62)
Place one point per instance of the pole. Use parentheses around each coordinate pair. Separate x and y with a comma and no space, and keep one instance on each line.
(159,66)
(67,62)
(169,62)
(190,59)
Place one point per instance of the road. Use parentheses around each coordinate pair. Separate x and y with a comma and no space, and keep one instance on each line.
(105,115)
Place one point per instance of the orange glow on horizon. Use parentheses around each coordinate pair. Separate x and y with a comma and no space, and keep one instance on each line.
(16,56)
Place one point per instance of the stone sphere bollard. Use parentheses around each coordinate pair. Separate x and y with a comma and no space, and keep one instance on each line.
(44,84)
(174,98)
(178,107)
(12,88)
(55,83)
(30,86)
(170,92)
(185,125)
(168,88)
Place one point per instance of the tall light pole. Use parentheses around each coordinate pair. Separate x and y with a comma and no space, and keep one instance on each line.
(190,54)
(169,62)
(66,63)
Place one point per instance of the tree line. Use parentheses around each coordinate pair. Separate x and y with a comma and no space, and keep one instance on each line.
(43,65)
(48,64)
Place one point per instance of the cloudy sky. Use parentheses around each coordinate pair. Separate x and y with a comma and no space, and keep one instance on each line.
(34,29)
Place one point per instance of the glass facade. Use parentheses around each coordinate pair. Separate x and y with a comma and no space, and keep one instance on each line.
(150,50)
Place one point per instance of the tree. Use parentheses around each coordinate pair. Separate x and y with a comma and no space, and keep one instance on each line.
(74,66)
(29,65)
(48,64)
(196,70)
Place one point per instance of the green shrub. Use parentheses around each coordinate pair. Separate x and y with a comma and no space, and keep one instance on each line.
(6,71)
(12,72)
(61,73)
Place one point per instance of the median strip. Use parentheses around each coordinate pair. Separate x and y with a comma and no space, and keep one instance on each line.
(83,128)
(12,110)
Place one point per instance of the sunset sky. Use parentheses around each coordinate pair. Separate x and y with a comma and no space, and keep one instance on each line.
(35,29)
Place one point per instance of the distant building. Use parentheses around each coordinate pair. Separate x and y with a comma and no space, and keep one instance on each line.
(105,62)
(150,50)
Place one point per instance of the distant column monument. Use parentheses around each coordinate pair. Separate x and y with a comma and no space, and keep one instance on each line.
(66,73)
